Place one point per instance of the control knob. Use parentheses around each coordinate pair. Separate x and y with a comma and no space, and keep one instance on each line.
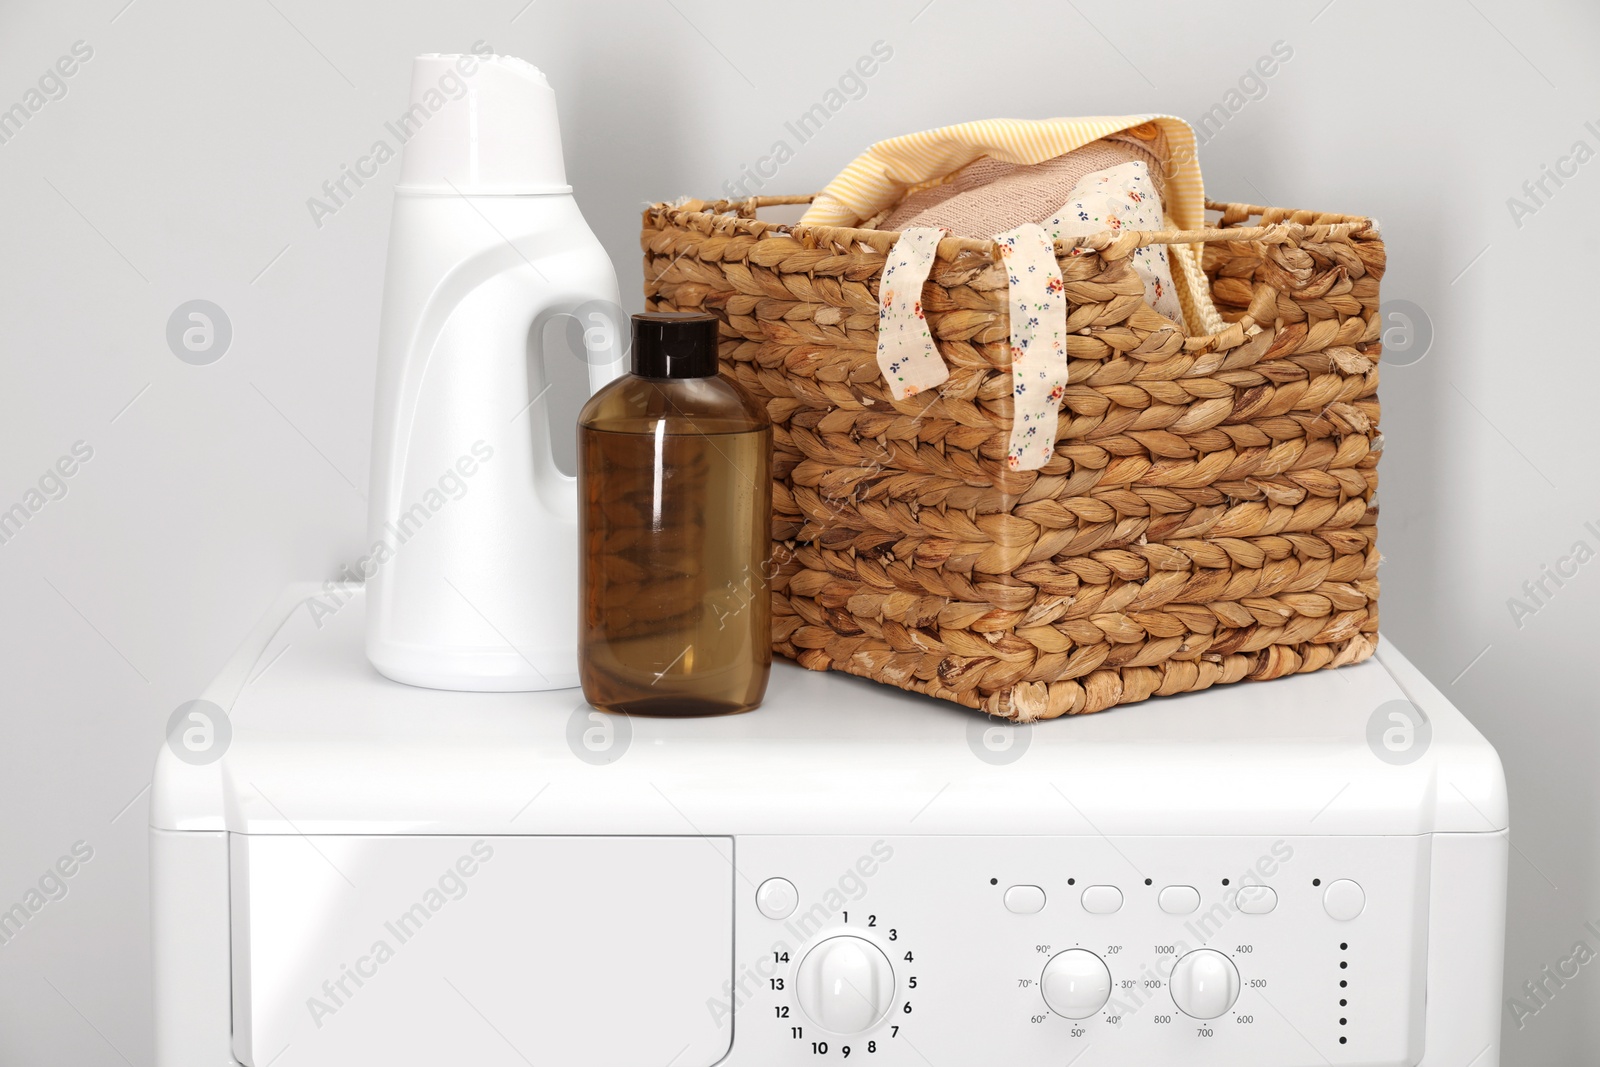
(846,985)
(1076,983)
(1205,983)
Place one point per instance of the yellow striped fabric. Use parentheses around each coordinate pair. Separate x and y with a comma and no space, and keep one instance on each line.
(882,175)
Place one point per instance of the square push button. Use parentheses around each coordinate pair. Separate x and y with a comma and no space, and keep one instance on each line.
(1102,899)
(1179,899)
(1024,899)
(1257,899)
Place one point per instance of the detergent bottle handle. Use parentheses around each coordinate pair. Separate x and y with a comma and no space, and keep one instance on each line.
(597,332)
(605,342)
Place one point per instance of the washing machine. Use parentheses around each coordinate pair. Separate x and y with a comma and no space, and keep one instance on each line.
(346,870)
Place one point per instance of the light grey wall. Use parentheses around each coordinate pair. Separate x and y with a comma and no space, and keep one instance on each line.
(178,166)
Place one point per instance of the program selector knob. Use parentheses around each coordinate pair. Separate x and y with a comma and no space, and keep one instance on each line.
(846,985)
(1076,983)
(1205,983)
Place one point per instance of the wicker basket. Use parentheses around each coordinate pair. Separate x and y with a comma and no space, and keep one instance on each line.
(1208,515)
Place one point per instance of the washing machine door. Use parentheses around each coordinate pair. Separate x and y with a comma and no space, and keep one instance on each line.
(422,950)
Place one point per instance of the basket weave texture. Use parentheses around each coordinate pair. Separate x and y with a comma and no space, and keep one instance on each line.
(1208,515)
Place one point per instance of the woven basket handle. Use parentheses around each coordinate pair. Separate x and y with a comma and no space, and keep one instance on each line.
(747,208)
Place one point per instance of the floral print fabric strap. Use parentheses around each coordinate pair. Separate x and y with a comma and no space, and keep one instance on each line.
(1116,199)
(906,353)
(1038,344)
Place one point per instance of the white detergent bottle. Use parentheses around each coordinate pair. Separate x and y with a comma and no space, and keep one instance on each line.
(473,541)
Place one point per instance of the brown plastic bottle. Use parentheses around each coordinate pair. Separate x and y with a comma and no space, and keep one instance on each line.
(675,501)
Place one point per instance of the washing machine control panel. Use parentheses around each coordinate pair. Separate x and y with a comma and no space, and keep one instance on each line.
(1237,951)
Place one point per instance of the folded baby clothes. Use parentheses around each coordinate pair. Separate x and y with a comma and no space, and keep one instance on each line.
(988,195)
(1117,198)
(938,178)
(1112,184)
(885,174)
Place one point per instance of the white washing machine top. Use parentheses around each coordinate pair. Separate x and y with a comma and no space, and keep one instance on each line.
(315,741)
(350,870)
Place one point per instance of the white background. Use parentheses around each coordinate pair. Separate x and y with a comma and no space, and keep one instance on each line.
(179,164)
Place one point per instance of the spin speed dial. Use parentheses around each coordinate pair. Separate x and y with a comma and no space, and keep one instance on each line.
(1205,984)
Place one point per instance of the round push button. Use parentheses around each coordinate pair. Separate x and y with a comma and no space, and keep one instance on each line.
(1344,900)
(776,898)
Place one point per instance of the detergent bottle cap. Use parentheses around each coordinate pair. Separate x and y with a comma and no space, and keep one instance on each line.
(479,125)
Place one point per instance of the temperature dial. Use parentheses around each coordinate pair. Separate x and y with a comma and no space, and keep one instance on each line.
(846,985)
(1076,983)
(1205,983)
